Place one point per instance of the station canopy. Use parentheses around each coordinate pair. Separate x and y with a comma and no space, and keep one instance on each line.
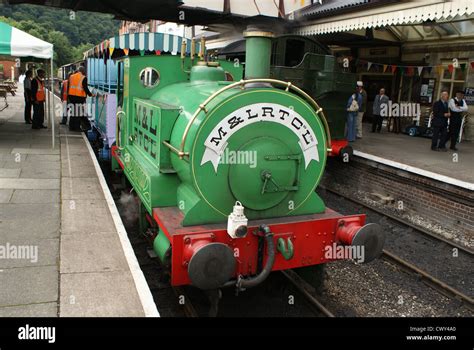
(16,43)
(407,20)
(155,43)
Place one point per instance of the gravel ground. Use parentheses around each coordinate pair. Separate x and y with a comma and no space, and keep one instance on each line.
(380,289)
(429,254)
(460,237)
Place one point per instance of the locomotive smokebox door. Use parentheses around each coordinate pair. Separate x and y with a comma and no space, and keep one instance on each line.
(211,266)
(267,181)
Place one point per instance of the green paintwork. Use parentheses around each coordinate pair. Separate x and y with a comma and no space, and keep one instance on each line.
(204,73)
(207,196)
(285,248)
(280,184)
(161,246)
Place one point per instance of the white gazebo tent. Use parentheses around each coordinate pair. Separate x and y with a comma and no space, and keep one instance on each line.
(16,43)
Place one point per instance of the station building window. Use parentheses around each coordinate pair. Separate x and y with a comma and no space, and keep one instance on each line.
(454,80)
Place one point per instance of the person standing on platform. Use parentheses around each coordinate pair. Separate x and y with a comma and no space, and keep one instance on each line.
(380,101)
(353,107)
(77,95)
(27,94)
(38,97)
(457,107)
(362,108)
(64,98)
(440,123)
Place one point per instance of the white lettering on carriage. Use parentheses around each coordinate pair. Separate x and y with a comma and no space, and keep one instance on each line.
(217,140)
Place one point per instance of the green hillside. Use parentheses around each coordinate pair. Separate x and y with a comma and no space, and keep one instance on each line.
(71,33)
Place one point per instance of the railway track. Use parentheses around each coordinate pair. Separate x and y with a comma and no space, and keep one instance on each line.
(405,265)
(307,291)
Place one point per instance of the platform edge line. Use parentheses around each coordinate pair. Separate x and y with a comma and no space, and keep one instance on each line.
(144,293)
(417,171)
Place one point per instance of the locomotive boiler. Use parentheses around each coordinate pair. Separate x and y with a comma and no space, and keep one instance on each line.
(226,171)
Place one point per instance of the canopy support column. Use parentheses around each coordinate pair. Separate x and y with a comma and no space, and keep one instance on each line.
(52,110)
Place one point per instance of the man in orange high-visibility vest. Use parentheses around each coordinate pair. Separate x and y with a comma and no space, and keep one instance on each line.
(77,94)
(38,97)
(64,98)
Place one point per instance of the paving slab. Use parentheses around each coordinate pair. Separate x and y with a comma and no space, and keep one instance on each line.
(35,196)
(85,253)
(78,167)
(81,188)
(28,285)
(35,151)
(30,252)
(13,157)
(85,217)
(31,310)
(97,295)
(48,170)
(34,221)
(43,158)
(5,196)
(30,184)
(9,173)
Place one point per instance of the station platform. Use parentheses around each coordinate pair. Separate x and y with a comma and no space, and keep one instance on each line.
(63,248)
(400,174)
(413,154)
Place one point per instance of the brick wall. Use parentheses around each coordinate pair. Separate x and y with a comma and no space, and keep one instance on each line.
(448,205)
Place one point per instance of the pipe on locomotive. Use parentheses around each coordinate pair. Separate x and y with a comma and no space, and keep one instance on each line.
(241,283)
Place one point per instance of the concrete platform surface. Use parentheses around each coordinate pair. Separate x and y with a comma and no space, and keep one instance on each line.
(416,152)
(63,249)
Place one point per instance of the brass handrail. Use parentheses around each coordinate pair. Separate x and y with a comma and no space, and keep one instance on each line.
(242,83)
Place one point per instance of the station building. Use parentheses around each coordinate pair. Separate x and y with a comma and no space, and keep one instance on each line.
(414,49)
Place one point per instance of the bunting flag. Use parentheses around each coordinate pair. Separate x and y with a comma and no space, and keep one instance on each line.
(142,53)
(125,51)
(408,70)
(157,52)
(111,51)
(439,70)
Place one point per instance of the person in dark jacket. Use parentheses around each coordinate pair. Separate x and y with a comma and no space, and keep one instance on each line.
(457,106)
(380,102)
(27,94)
(440,123)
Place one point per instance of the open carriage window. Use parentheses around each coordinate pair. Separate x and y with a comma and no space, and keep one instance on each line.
(295,50)
(149,77)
